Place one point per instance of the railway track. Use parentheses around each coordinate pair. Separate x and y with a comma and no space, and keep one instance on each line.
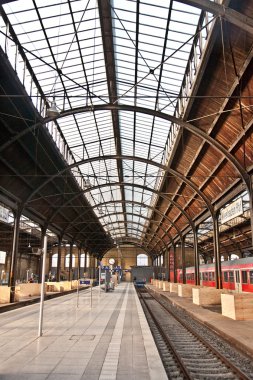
(188,350)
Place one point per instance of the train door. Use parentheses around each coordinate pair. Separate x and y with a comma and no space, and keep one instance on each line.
(238,284)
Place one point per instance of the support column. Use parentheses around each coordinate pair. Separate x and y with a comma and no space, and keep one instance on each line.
(78,262)
(175,266)
(160,267)
(216,245)
(58,274)
(196,255)
(250,190)
(70,260)
(183,259)
(166,264)
(13,261)
(169,263)
(43,234)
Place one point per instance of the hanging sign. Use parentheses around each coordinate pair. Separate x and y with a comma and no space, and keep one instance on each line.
(231,211)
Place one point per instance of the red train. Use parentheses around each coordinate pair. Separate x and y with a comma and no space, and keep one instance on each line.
(236,275)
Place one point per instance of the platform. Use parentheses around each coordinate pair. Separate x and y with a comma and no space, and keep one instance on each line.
(239,333)
(86,336)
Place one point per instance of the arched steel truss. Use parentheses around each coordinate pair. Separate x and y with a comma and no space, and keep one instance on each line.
(115,107)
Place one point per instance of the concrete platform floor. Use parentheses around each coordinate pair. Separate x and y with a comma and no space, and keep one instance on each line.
(105,339)
(239,333)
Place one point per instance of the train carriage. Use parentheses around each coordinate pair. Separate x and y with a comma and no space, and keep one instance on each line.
(236,275)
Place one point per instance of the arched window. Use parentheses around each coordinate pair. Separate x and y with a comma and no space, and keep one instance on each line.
(82,260)
(55,260)
(88,260)
(142,260)
(67,259)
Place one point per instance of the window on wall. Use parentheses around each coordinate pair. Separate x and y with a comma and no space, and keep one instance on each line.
(244,277)
(55,260)
(67,260)
(2,257)
(82,260)
(88,260)
(142,260)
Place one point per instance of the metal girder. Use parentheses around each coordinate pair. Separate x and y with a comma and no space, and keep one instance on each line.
(168,170)
(189,127)
(107,157)
(6,1)
(138,204)
(236,18)
(131,241)
(107,37)
(148,189)
(136,229)
(143,217)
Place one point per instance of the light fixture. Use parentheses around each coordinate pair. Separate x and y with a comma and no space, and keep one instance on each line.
(53,111)
(100,210)
(87,183)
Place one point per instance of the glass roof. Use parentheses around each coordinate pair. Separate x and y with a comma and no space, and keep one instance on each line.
(142,62)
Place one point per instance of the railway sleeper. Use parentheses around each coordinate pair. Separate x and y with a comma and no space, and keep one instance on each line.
(226,376)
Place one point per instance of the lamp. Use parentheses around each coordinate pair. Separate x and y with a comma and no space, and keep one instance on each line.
(87,183)
(52,111)
(100,210)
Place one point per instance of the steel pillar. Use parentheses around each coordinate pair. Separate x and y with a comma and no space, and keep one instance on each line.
(78,262)
(12,276)
(183,259)
(216,245)
(250,190)
(58,274)
(70,260)
(43,234)
(175,264)
(196,255)
(166,262)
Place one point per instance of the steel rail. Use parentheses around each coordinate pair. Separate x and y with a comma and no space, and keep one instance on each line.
(241,375)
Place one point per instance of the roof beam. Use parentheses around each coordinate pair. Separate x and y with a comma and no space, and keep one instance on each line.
(107,37)
(229,14)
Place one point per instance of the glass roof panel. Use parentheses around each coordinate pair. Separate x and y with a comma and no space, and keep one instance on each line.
(63,42)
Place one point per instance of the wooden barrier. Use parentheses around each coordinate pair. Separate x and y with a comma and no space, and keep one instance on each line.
(27,290)
(5,294)
(237,306)
(54,287)
(206,296)
(185,290)
(166,286)
(173,287)
(160,284)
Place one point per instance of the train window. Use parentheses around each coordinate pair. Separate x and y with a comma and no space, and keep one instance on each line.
(251,276)
(193,277)
(225,274)
(237,276)
(244,277)
(231,276)
(211,276)
(200,276)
